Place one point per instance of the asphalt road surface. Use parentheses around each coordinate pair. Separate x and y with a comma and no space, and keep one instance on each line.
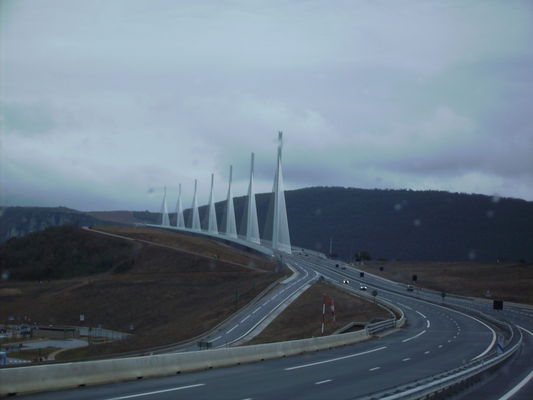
(434,340)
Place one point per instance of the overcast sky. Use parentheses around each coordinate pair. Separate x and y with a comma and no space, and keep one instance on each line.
(103,103)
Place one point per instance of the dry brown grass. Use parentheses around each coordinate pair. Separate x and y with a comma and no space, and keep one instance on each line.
(167,295)
(199,245)
(302,319)
(507,281)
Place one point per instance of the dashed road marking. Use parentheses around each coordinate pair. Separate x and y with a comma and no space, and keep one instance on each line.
(406,359)
(335,359)
(321,382)
(131,396)
(232,329)
(414,337)
(423,316)
(244,319)
(374,369)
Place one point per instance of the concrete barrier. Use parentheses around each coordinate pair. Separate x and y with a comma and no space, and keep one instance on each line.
(40,378)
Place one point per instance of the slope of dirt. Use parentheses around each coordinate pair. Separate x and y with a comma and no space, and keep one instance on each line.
(303,318)
(506,281)
(166,295)
(193,244)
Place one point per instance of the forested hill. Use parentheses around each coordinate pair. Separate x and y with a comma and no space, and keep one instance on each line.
(411,225)
(391,224)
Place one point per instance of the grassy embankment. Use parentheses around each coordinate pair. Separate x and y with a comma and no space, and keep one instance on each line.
(507,281)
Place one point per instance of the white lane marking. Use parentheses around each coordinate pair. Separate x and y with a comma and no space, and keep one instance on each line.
(321,382)
(440,346)
(215,339)
(374,369)
(423,316)
(406,359)
(244,319)
(428,324)
(449,341)
(403,305)
(414,337)
(232,329)
(256,310)
(520,385)
(524,329)
(427,352)
(335,359)
(131,396)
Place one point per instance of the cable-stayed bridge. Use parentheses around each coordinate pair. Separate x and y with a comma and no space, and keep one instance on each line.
(277,236)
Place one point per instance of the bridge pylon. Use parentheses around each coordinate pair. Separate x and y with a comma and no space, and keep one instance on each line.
(164,210)
(280,226)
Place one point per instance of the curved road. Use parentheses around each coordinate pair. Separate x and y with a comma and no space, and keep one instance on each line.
(434,340)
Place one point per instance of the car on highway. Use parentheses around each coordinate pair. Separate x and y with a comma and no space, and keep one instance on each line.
(363,287)
(346,281)
(410,288)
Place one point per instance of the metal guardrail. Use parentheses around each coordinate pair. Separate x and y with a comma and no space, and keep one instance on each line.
(381,326)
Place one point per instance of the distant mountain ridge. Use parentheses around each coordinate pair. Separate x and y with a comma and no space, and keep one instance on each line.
(390,224)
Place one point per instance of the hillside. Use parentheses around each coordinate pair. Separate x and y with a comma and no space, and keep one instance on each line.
(63,252)
(20,221)
(390,224)
(165,294)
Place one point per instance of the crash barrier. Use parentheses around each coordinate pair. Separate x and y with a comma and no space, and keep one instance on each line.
(451,379)
(71,375)
(39,378)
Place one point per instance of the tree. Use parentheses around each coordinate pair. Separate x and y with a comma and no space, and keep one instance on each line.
(362,255)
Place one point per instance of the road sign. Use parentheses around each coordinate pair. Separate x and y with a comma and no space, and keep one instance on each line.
(498,305)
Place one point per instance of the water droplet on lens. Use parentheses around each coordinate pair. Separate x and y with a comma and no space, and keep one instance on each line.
(472,255)
(397,206)
(417,222)
(495,199)
(490,214)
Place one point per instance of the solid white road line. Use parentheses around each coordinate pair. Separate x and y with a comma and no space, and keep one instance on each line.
(525,330)
(520,385)
(335,359)
(428,324)
(374,369)
(244,319)
(423,316)
(215,339)
(321,382)
(131,396)
(414,337)
(232,329)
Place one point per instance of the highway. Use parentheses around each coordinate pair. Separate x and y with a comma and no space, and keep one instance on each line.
(434,340)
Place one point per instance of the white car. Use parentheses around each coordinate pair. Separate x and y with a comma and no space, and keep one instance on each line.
(363,287)
(345,281)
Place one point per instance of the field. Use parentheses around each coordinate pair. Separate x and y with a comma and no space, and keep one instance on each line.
(302,319)
(166,295)
(506,281)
